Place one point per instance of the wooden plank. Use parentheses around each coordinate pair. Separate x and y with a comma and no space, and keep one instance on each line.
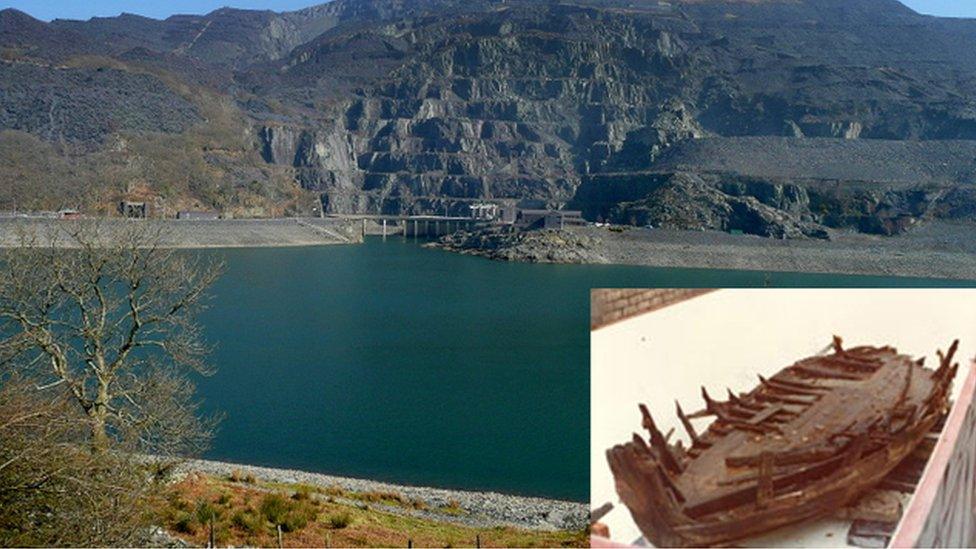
(766,414)
(829,373)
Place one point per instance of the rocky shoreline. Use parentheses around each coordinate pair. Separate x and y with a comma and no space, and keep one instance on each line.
(482,509)
(507,244)
(937,250)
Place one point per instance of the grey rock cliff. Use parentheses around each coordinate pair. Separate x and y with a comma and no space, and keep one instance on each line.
(416,107)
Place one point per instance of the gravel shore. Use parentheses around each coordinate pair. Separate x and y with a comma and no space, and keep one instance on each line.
(481,509)
(935,250)
(944,252)
(223,233)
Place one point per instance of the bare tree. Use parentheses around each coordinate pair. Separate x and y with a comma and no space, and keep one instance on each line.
(109,315)
(97,336)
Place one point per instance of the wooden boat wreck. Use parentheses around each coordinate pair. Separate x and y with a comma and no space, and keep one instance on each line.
(802,444)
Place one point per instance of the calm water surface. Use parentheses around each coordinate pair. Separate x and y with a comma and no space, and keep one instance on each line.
(392,362)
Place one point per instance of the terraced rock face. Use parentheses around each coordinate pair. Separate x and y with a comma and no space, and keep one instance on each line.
(517,102)
(423,106)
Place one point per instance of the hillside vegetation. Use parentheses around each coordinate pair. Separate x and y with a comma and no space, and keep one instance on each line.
(246,512)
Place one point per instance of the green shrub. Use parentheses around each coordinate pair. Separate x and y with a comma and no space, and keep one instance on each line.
(248,521)
(178,503)
(183,522)
(294,522)
(206,512)
(291,514)
(340,520)
(300,515)
(221,533)
(274,507)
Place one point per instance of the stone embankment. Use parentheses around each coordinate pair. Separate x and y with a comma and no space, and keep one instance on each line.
(223,233)
(479,509)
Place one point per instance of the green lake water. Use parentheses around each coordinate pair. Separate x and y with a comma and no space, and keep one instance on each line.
(393,362)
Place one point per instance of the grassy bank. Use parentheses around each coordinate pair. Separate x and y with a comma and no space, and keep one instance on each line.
(246,511)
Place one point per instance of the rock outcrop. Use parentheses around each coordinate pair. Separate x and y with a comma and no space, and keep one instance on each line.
(505,244)
(687,202)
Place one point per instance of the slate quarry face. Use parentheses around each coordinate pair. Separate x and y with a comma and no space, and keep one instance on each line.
(776,118)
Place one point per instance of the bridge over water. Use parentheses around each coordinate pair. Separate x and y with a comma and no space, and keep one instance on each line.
(414,225)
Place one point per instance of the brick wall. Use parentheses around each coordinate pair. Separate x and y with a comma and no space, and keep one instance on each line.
(611,305)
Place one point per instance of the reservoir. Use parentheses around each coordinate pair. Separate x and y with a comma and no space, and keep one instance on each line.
(393,362)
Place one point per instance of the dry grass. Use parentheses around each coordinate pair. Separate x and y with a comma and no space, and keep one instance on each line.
(239,520)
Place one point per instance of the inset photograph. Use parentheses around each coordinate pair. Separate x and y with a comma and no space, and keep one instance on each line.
(782,418)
